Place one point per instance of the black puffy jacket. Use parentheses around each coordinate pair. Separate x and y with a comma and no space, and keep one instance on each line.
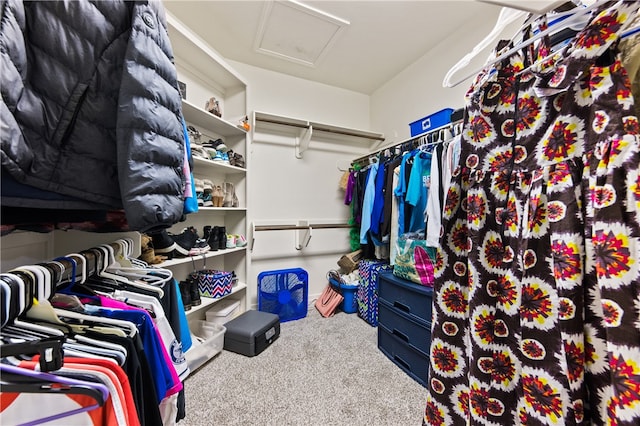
(90,107)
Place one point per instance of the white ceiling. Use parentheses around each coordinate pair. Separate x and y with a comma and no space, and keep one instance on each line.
(381,39)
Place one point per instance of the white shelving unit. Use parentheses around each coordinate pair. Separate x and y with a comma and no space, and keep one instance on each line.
(207,74)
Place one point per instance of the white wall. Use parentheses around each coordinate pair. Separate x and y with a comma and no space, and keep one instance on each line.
(284,189)
(417,91)
(282,94)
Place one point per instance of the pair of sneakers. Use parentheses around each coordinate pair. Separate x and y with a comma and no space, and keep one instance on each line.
(187,243)
(236,240)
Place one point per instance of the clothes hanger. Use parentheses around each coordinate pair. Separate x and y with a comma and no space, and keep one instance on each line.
(44,311)
(620,31)
(55,384)
(42,279)
(507,16)
(5,292)
(108,261)
(49,349)
(575,17)
(16,282)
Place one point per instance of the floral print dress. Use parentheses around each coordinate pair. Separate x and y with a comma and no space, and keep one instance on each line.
(536,316)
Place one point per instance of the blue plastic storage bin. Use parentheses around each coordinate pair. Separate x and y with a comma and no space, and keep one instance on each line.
(430,122)
(349,305)
(284,292)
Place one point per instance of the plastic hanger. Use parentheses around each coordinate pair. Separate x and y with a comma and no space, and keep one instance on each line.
(108,262)
(507,16)
(50,383)
(19,296)
(577,16)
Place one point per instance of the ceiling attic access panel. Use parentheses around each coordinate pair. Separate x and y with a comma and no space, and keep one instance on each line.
(296,32)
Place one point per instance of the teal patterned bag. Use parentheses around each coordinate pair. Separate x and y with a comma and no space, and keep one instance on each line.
(414,260)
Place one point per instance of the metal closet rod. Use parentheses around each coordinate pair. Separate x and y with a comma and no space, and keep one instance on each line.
(320,128)
(412,140)
(300,227)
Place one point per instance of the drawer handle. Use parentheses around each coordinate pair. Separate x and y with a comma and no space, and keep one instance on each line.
(401,335)
(402,306)
(404,363)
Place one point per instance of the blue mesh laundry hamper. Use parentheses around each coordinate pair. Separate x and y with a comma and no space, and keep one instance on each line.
(284,292)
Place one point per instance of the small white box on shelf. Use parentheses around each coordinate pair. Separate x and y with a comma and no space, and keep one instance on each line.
(223,311)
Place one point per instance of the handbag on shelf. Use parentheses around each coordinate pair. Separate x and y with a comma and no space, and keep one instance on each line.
(328,301)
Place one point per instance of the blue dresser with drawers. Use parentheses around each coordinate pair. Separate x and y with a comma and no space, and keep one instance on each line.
(404,324)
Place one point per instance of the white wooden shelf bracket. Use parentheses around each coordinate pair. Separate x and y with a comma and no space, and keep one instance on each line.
(303,140)
(303,236)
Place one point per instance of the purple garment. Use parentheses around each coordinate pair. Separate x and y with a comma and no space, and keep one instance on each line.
(351,183)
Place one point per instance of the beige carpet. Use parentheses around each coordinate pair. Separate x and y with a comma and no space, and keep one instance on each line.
(321,371)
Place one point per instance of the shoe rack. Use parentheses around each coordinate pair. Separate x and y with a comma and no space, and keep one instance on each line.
(205,74)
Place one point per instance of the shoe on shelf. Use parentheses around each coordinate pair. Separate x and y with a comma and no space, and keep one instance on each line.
(194,134)
(185,241)
(225,158)
(219,157)
(200,247)
(218,145)
(162,243)
(195,292)
(199,151)
(241,241)
(222,237)
(185,294)
(199,184)
(218,196)
(238,160)
(211,234)
(231,241)
(207,196)
(230,198)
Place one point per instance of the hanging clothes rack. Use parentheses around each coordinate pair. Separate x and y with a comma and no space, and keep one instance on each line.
(304,231)
(408,144)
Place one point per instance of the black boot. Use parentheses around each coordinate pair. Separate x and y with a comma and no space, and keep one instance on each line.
(185,293)
(222,237)
(195,292)
(212,237)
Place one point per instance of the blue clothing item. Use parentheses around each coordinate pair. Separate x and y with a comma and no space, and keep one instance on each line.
(418,190)
(378,200)
(185,333)
(190,203)
(153,347)
(367,203)
(401,191)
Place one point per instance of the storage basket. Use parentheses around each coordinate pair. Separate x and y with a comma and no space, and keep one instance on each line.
(430,122)
(213,283)
(349,305)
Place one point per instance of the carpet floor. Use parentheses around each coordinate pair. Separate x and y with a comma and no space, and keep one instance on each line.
(320,371)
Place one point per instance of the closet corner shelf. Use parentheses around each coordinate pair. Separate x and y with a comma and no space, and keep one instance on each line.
(205,120)
(194,51)
(201,162)
(207,255)
(208,301)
